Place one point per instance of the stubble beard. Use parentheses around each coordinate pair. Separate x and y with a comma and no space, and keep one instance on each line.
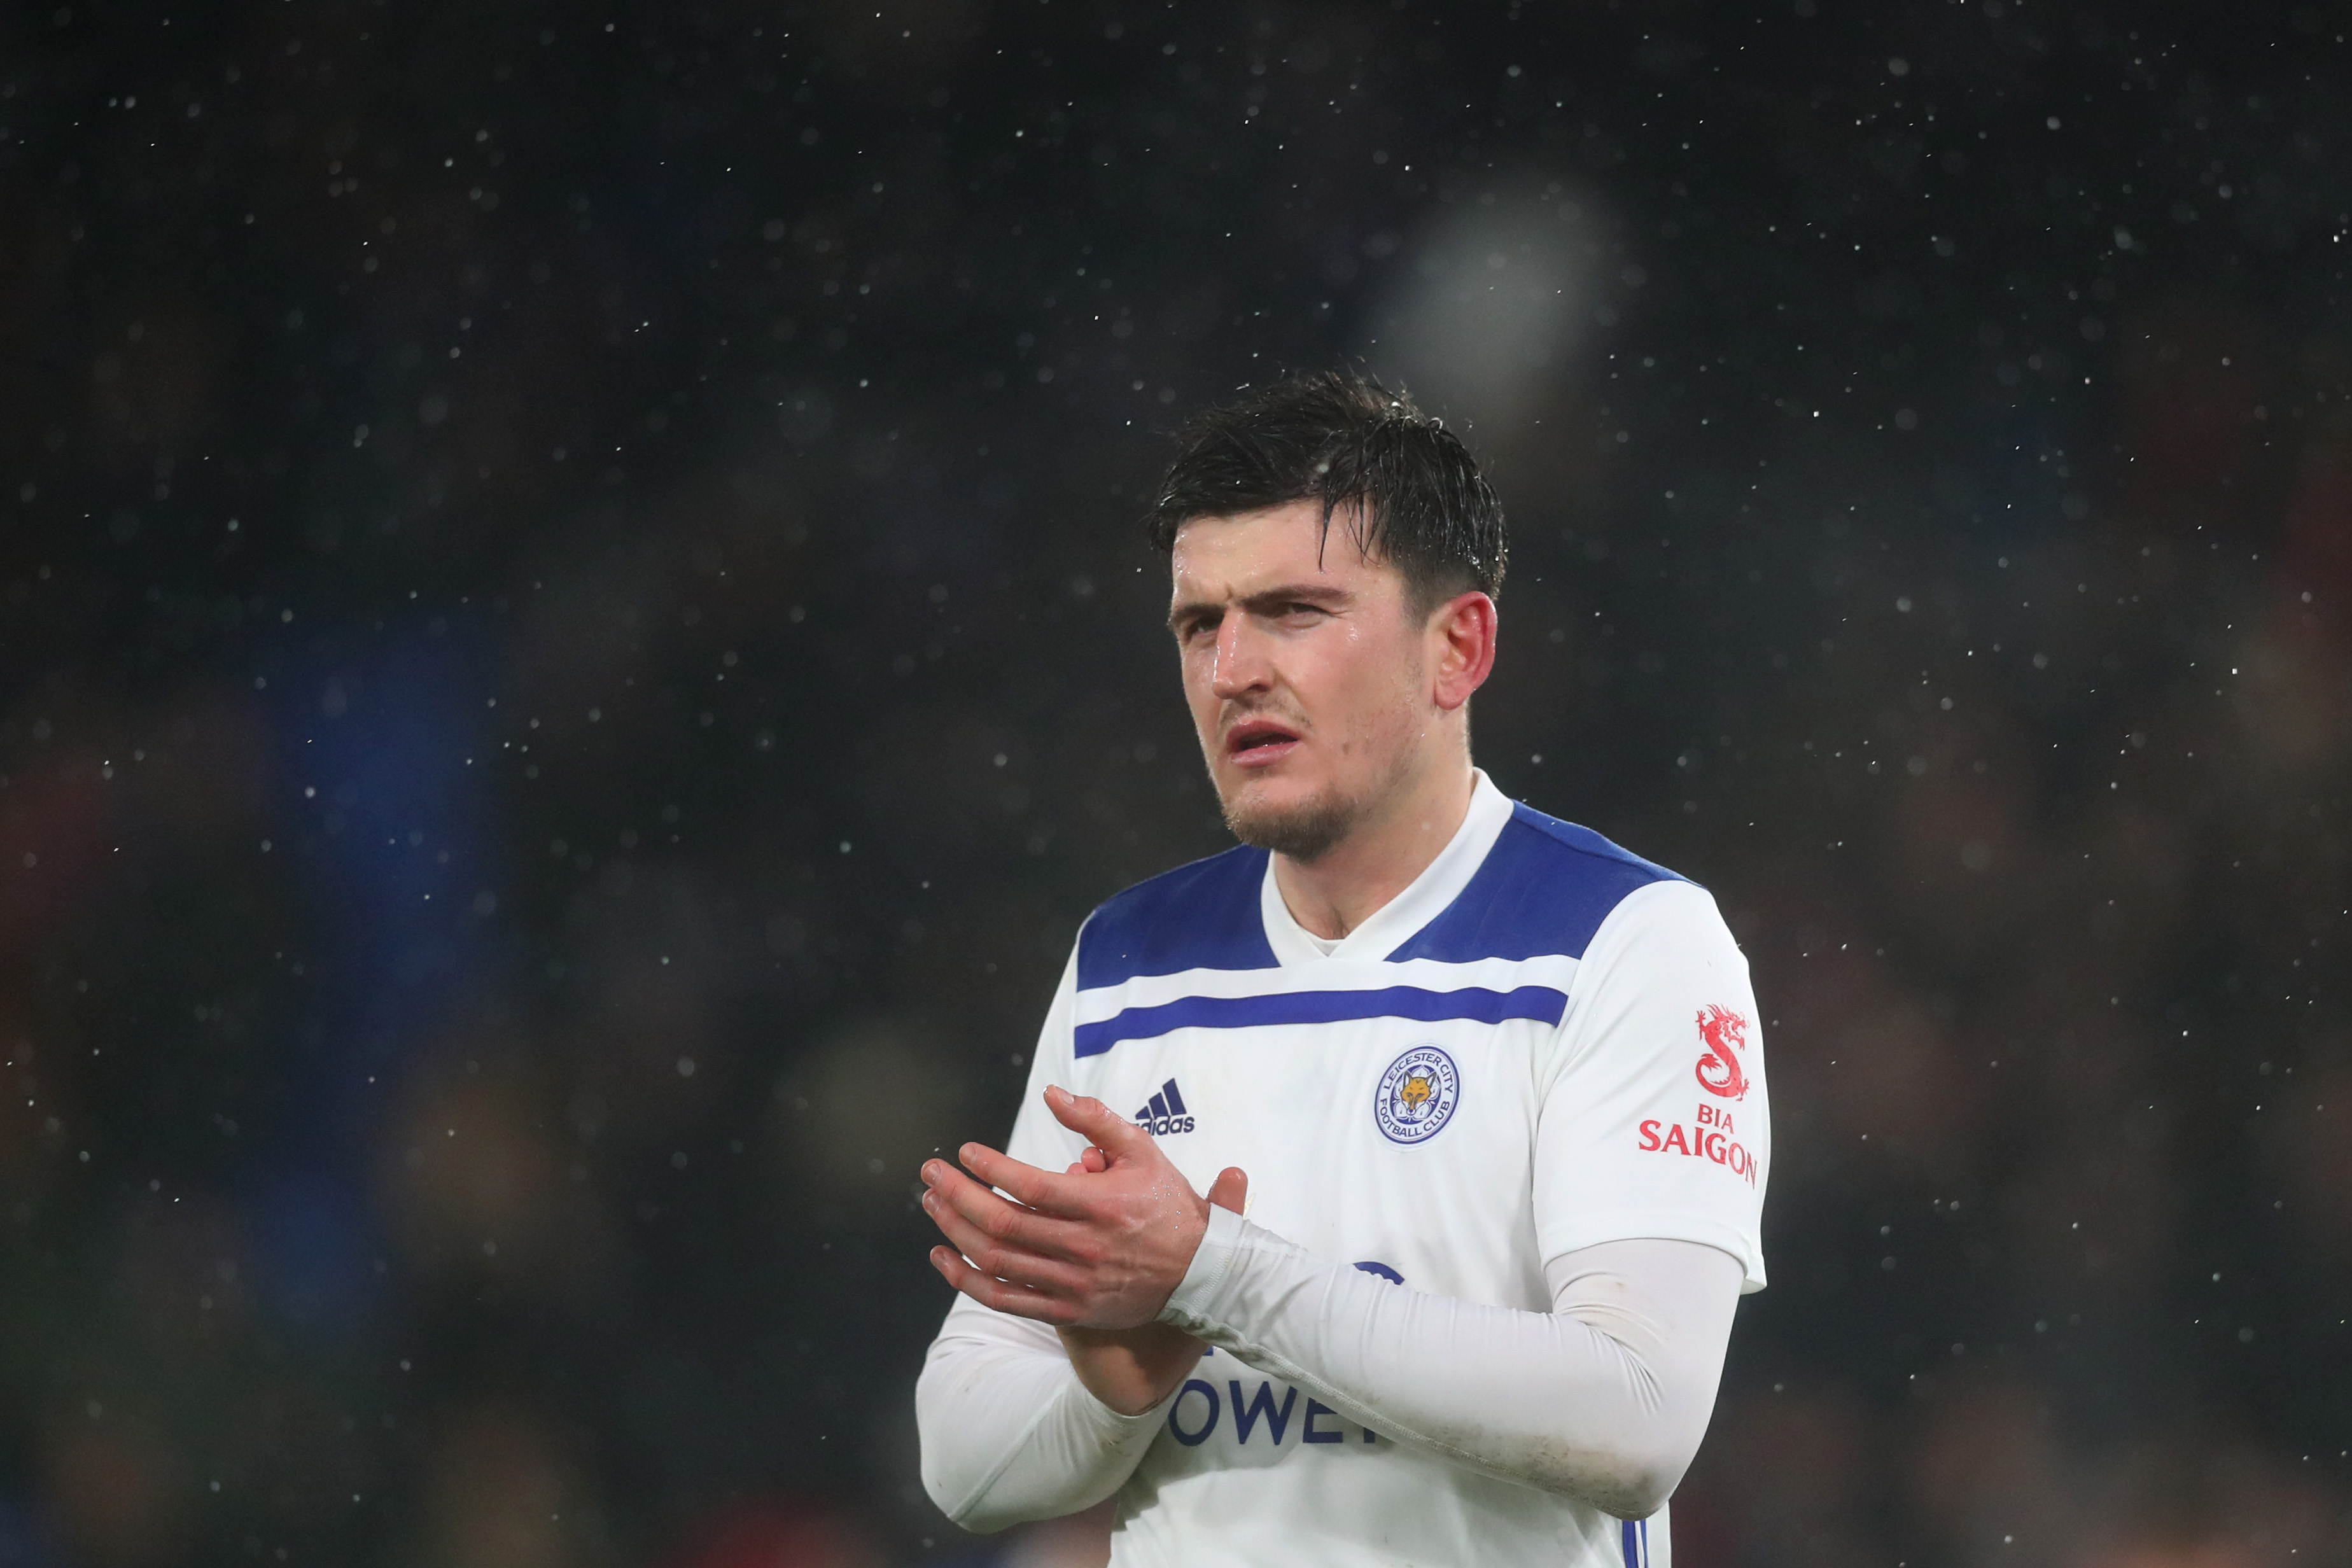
(1309,830)
(1303,832)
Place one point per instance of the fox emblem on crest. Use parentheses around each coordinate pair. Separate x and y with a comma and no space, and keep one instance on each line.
(1726,1034)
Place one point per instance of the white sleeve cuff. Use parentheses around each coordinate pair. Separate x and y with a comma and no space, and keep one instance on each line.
(1210,1301)
(1109,1425)
(1212,1264)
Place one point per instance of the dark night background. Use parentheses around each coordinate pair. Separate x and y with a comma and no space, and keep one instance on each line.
(576,647)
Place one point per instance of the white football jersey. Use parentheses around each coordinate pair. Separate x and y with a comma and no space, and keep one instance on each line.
(1544,1043)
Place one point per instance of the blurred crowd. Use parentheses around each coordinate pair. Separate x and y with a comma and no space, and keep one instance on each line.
(576,648)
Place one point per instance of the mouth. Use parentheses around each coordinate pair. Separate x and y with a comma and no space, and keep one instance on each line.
(1259,742)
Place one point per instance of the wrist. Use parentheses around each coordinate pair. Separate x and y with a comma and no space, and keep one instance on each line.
(1190,1249)
(1130,1371)
(1193,1305)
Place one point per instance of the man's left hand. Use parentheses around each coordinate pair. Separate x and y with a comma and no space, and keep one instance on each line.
(1086,1250)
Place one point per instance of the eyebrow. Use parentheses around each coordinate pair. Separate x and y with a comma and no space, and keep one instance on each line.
(1322,595)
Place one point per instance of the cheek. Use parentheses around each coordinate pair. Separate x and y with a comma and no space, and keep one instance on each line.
(1198,671)
(1395,711)
(1366,693)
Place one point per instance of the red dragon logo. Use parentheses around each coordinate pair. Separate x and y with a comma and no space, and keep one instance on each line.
(1725,1033)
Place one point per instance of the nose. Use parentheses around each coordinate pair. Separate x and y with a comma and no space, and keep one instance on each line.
(1240,664)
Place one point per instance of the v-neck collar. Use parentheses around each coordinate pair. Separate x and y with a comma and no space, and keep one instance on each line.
(1422,900)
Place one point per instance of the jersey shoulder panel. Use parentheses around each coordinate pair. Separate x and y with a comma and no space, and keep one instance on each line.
(1544,891)
(1201,916)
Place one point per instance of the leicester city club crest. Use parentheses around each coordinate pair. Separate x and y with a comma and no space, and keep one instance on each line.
(1417,1095)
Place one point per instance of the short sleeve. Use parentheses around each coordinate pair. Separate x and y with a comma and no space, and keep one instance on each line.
(1037,1139)
(1653,1119)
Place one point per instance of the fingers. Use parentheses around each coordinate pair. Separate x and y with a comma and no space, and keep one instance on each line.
(1231,1189)
(1106,1129)
(1015,1264)
(1001,1223)
(999,1295)
(1040,1190)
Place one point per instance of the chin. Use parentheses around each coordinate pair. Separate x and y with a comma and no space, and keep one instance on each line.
(1304,825)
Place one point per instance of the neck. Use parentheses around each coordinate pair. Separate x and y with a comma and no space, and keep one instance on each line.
(1349,883)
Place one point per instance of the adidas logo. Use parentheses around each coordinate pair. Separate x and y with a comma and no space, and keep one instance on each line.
(1166,1113)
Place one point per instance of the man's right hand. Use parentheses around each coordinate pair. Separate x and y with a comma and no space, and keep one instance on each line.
(1131,1370)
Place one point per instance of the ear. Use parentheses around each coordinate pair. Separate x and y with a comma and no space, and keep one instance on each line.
(1461,634)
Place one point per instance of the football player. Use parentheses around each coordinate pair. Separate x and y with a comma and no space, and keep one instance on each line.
(1386,1185)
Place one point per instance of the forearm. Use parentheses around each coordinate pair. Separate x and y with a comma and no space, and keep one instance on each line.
(1604,1399)
(1008,1432)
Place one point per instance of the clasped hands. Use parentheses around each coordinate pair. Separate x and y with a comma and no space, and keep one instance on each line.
(1095,1252)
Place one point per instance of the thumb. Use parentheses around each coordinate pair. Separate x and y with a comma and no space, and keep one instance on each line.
(1231,1189)
(1114,1135)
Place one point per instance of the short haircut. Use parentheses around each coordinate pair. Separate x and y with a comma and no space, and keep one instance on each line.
(1413,496)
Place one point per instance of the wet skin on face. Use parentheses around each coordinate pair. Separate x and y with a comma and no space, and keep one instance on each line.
(1302,664)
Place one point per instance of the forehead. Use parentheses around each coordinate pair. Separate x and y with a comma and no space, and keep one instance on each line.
(1231,557)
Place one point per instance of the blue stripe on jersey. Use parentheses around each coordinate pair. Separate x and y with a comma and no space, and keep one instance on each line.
(1201,916)
(1544,890)
(1627,1544)
(1540,1002)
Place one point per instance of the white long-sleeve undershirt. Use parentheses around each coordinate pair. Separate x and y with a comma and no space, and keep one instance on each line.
(1603,1399)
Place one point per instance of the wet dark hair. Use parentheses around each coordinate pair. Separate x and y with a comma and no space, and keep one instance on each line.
(1413,496)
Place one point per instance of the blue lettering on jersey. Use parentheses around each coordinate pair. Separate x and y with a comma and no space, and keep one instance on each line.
(1165,1114)
(1261,1408)
(1199,1435)
(1194,1415)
